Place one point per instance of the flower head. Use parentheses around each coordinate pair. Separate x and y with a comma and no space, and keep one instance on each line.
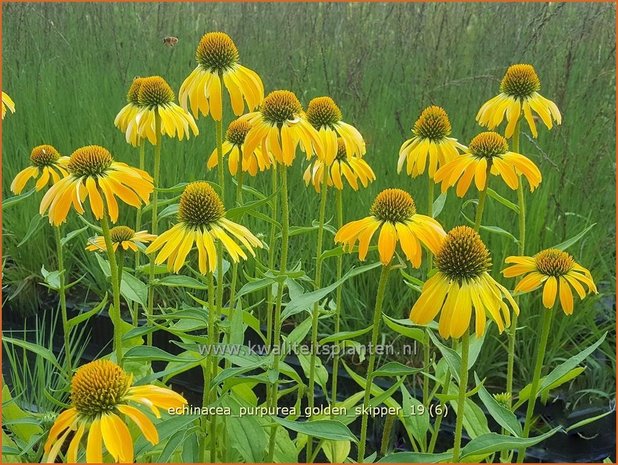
(325,116)
(233,148)
(201,221)
(556,271)
(431,142)
(101,398)
(46,165)
(7,103)
(126,118)
(218,65)
(519,92)
(94,175)
(122,236)
(156,100)
(487,153)
(394,213)
(461,283)
(279,127)
(351,168)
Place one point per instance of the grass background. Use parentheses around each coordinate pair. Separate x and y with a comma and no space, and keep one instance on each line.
(68,67)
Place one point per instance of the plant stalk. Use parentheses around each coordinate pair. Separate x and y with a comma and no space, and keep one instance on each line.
(536,377)
(461,399)
(377,319)
(316,307)
(338,300)
(63,300)
(115,308)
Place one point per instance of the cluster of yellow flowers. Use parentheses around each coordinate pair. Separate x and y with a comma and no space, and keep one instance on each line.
(267,138)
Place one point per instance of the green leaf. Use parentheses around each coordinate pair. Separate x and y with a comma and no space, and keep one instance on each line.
(33,227)
(307,300)
(245,433)
(181,281)
(133,289)
(73,234)
(573,240)
(587,421)
(8,203)
(148,353)
(491,442)
(501,414)
(336,451)
(321,429)
(345,335)
(405,328)
(52,278)
(452,358)
(395,369)
(170,210)
(507,203)
(416,424)
(438,204)
(37,349)
(416,457)
(86,315)
(236,213)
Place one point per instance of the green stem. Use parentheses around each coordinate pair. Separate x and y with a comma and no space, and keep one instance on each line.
(430,194)
(521,248)
(426,347)
(446,385)
(338,300)
(63,300)
(271,258)
(482,199)
(154,227)
(138,225)
(239,180)
(534,388)
(461,399)
(114,312)
(285,227)
(316,307)
(377,319)
(207,371)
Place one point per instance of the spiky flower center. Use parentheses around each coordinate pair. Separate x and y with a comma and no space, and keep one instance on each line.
(393,205)
(433,124)
(323,111)
(98,387)
(216,52)
(133,94)
(280,106)
(553,262)
(237,131)
(503,398)
(520,81)
(463,255)
(342,152)
(488,145)
(122,233)
(92,160)
(200,205)
(154,91)
(44,155)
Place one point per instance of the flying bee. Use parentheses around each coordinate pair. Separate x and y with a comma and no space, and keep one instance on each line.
(170,41)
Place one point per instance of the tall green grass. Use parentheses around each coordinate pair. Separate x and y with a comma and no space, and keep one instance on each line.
(68,66)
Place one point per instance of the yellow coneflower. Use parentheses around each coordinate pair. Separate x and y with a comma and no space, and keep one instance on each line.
(325,116)
(461,283)
(101,398)
(217,62)
(556,271)
(519,92)
(122,236)
(430,142)
(279,127)
(487,150)
(155,97)
(353,169)
(233,148)
(126,118)
(201,222)
(46,164)
(94,174)
(7,102)
(394,213)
